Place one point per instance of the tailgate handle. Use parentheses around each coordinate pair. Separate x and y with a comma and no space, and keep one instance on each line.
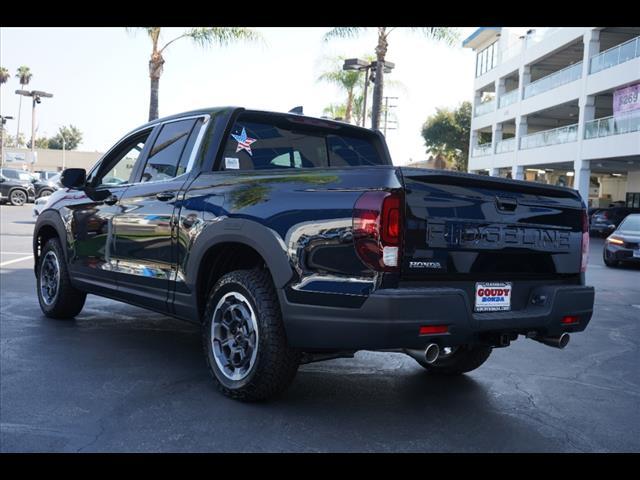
(506,204)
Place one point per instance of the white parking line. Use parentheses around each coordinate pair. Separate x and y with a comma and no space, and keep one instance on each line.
(15,260)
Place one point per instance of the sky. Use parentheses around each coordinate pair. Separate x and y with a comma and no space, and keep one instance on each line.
(100,80)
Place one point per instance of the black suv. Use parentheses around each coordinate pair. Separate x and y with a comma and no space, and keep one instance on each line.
(293,239)
(16,187)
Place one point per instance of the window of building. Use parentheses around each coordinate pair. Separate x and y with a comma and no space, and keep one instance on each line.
(487,59)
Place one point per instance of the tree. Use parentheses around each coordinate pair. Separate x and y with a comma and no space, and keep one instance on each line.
(72,138)
(24,76)
(346,80)
(42,142)
(336,111)
(445,34)
(446,134)
(10,141)
(203,37)
(4,76)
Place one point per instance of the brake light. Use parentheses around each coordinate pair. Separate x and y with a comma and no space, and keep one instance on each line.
(377,229)
(585,241)
(569,319)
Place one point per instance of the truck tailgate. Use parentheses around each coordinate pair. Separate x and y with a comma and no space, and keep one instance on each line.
(463,227)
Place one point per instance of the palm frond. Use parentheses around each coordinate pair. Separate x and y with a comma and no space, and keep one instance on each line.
(447,35)
(343,32)
(208,36)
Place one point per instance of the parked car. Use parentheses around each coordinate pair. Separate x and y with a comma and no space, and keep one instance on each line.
(46,174)
(623,245)
(604,222)
(16,187)
(292,239)
(44,188)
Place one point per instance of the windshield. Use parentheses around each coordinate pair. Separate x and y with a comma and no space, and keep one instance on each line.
(632,223)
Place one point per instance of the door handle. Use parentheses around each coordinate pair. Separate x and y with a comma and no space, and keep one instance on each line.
(164,196)
(111,200)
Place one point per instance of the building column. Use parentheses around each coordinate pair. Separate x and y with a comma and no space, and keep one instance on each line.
(517,172)
(521,129)
(524,79)
(581,178)
(591,41)
(499,87)
(586,113)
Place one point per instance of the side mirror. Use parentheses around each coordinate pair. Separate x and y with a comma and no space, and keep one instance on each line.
(73,178)
(2,179)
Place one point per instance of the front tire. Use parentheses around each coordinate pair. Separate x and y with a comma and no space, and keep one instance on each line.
(462,359)
(57,297)
(607,261)
(244,340)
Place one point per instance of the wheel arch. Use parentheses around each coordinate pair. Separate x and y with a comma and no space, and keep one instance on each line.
(49,225)
(239,244)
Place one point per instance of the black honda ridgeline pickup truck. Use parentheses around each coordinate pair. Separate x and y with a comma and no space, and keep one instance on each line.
(292,239)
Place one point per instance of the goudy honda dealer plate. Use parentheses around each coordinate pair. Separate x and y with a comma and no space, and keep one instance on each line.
(493,296)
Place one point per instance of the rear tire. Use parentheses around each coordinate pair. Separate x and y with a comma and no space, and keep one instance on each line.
(57,297)
(464,359)
(18,198)
(246,350)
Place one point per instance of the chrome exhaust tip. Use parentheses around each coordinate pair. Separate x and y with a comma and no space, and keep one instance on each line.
(431,353)
(556,342)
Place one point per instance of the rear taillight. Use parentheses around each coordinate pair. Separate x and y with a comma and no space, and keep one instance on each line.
(585,241)
(377,229)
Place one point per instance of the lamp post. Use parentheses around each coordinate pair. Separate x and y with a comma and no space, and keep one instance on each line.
(63,152)
(3,122)
(36,96)
(365,66)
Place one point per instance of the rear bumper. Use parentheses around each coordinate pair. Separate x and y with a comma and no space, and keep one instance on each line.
(602,229)
(392,318)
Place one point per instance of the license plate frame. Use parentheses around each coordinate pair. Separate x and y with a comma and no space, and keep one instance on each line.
(499,295)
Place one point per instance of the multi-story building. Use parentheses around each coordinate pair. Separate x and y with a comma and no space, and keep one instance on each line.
(561,106)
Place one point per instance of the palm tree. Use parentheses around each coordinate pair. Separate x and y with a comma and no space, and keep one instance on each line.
(203,37)
(24,75)
(445,34)
(336,111)
(346,80)
(4,76)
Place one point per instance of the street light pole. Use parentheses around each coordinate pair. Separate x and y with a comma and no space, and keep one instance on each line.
(364,101)
(36,96)
(3,122)
(63,152)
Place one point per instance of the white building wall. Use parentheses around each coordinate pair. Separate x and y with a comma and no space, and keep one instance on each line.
(580,152)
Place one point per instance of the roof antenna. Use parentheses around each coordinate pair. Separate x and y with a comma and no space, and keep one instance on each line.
(296,110)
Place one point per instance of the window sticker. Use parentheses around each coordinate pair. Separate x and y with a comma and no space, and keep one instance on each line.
(231,163)
(244,142)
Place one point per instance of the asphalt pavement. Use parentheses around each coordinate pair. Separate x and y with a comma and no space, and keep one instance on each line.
(119,378)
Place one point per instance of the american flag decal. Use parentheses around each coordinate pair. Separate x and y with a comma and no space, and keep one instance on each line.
(244,142)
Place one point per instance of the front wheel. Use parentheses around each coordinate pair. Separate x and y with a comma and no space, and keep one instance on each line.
(57,297)
(608,261)
(244,339)
(458,360)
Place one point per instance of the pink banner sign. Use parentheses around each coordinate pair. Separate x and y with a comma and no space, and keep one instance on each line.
(626,100)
